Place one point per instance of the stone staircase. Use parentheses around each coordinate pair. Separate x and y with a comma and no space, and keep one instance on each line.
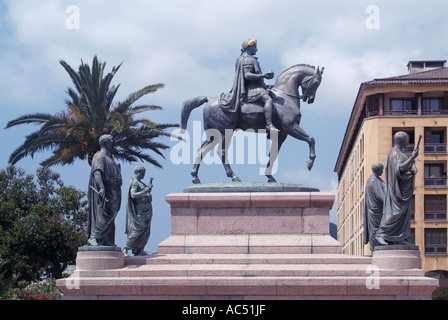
(252,277)
(248,246)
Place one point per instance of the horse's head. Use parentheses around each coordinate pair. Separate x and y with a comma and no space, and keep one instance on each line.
(310,84)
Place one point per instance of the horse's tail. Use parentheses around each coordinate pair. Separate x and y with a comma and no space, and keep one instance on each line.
(188,106)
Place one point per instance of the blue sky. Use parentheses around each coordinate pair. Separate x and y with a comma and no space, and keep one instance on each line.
(191,47)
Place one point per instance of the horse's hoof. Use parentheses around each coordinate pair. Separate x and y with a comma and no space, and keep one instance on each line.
(236,179)
(196,180)
(271,178)
(309,164)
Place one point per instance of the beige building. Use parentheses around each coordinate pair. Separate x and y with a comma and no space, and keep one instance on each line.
(416,103)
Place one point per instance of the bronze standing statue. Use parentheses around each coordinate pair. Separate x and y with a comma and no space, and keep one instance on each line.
(373,204)
(250,106)
(104,195)
(400,171)
(138,213)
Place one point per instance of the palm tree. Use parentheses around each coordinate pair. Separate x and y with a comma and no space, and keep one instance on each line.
(73,134)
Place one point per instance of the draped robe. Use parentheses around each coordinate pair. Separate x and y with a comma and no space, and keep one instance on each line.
(373,209)
(138,216)
(396,221)
(102,212)
(243,90)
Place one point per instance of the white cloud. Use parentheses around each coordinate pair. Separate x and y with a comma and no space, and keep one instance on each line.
(191,45)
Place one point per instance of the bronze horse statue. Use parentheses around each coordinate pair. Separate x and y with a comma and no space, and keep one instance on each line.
(286,117)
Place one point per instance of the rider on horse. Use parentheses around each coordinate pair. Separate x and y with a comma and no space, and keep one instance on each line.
(249,84)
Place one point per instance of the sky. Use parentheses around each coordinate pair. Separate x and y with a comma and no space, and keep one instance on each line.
(191,47)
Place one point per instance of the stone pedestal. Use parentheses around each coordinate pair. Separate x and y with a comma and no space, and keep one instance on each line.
(250,222)
(99,258)
(248,245)
(397,257)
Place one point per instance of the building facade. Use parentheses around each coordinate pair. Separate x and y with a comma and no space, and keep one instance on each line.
(416,103)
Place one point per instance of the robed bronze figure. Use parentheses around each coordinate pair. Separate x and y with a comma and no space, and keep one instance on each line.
(138,213)
(373,204)
(400,172)
(104,195)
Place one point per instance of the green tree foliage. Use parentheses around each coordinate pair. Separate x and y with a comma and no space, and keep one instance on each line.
(42,224)
(73,133)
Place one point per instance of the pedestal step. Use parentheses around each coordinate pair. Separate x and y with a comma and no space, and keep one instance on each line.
(246,259)
(250,244)
(247,265)
(249,288)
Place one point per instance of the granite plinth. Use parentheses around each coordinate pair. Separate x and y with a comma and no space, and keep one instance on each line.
(99,258)
(250,222)
(397,257)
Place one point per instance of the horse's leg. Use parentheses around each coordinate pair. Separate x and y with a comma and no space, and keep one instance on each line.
(225,142)
(297,132)
(273,154)
(205,148)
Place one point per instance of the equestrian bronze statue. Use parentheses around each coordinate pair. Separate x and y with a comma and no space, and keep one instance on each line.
(251,105)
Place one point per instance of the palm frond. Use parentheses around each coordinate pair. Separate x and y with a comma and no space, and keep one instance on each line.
(133,97)
(130,156)
(138,109)
(36,118)
(73,75)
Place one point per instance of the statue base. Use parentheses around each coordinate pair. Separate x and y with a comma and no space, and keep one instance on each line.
(250,222)
(397,257)
(99,258)
(219,187)
(246,246)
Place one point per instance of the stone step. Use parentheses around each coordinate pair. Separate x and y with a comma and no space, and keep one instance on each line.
(247,259)
(250,244)
(249,288)
(247,270)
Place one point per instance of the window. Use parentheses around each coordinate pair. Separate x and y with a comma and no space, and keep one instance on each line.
(431,106)
(417,65)
(373,105)
(402,106)
(435,141)
(435,207)
(435,241)
(435,174)
(434,64)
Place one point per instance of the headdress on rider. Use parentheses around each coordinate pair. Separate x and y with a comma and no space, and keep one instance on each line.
(248,43)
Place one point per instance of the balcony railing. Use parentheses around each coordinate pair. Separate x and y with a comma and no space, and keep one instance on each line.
(435,148)
(435,249)
(435,182)
(398,112)
(434,112)
(435,215)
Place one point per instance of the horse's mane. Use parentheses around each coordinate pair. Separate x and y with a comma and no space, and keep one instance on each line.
(298,65)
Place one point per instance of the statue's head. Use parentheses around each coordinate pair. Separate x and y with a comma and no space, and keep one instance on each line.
(140,171)
(401,139)
(250,44)
(106,141)
(377,168)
